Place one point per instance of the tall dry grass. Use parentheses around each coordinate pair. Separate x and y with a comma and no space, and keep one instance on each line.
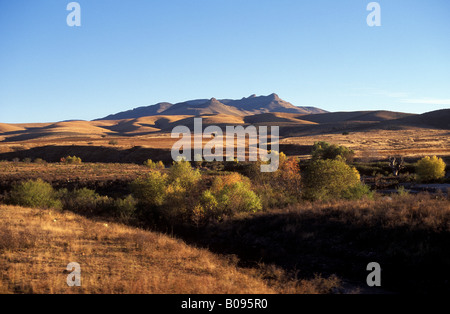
(37,245)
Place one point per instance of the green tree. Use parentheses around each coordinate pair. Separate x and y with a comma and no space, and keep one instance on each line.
(124,208)
(430,168)
(35,194)
(83,200)
(330,179)
(154,165)
(324,150)
(71,160)
(151,189)
(182,174)
(229,195)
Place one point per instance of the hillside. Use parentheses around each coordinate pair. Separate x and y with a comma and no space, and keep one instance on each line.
(212,106)
(113,258)
(277,117)
(119,259)
(366,116)
(436,119)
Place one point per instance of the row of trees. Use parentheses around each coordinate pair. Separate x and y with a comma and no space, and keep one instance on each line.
(181,193)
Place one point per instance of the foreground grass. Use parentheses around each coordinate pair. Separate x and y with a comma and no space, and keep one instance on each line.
(37,245)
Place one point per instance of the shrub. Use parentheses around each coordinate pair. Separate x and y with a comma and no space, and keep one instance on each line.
(402,192)
(39,161)
(430,168)
(182,174)
(221,182)
(328,179)
(288,177)
(154,165)
(228,195)
(84,201)
(279,188)
(113,142)
(124,208)
(209,202)
(324,150)
(151,189)
(239,197)
(171,197)
(71,160)
(357,192)
(87,201)
(253,171)
(35,194)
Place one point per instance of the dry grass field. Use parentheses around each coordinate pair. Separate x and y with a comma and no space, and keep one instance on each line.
(36,246)
(136,140)
(380,144)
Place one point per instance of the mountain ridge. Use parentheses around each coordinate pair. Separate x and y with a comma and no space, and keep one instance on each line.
(241,107)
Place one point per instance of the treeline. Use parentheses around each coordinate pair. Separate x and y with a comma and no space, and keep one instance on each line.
(184,194)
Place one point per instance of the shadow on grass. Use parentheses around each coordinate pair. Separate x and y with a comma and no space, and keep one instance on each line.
(329,241)
(53,153)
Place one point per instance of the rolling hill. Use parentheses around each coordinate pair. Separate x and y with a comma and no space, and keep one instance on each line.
(263,110)
(333,117)
(439,119)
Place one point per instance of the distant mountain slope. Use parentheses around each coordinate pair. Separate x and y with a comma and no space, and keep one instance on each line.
(271,103)
(376,116)
(139,112)
(245,106)
(212,106)
(437,119)
(277,117)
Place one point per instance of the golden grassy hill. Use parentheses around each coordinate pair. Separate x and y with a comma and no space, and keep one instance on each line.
(4,128)
(78,127)
(37,245)
(139,125)
(210,119)
(221,119)
(279,117)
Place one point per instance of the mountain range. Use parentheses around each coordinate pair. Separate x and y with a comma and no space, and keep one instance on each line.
(255,110)
(246,106)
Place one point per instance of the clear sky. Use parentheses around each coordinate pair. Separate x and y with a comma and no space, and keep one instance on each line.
(133,53)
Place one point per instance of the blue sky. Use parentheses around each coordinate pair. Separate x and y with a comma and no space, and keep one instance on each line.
(134,53)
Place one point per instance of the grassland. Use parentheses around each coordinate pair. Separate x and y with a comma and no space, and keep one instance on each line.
(36,246)
(133,141)
(380,144)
